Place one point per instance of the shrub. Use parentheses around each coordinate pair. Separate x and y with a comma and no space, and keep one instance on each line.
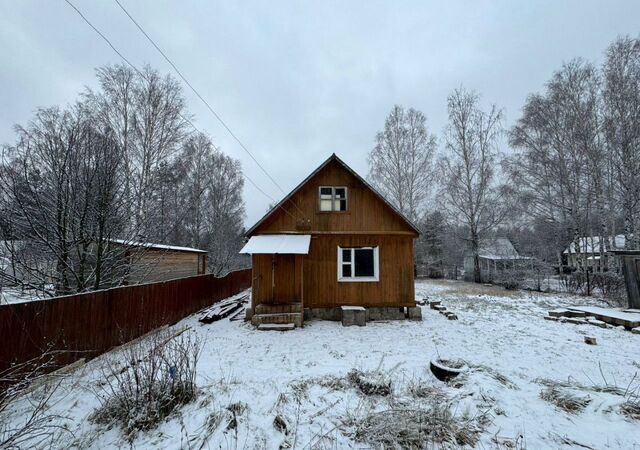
(151,379)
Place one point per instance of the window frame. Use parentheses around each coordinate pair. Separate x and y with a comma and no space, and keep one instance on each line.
(333,199)
(353,278)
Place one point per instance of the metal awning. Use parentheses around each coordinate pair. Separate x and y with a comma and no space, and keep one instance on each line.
(297,244)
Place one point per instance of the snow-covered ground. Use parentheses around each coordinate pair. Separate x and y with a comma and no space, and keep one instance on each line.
(301,376)
(9,295)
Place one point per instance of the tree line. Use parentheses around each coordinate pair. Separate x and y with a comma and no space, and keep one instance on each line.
(121,163)
(568,168)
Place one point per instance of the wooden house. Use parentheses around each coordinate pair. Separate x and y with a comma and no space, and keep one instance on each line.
(150,263)
(590,255)
(334,241)
(498,257)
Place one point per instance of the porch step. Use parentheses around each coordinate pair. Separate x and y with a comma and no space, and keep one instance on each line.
(276,326)
(265,308)
(277,318)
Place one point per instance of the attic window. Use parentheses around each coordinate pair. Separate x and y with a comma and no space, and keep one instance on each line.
(333,198)
(358,264)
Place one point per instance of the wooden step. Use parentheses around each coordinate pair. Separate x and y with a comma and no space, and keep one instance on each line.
(276,326)
(267,308)
(295,318)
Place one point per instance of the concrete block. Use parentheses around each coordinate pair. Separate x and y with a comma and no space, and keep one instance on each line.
(248,314)
(452,317)
(323,314)
(434,303)
(353,315)
(415,313)
(590,340)
(440,308)
(376,313)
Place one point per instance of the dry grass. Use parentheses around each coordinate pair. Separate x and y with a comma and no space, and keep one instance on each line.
(631,408)
(607,388)
(565,400)
(417,428)
(370,383)
(493,373)
(147,381)
(466,288)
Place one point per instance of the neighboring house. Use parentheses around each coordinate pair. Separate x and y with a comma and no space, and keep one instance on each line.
(149,263)
(496,257)
(333,241)
(588,252)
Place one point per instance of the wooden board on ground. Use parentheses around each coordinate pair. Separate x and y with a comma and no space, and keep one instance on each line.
(223,309)
(611,316)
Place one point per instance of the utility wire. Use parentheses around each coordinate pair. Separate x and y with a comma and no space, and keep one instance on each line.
(195,91)
(143,76)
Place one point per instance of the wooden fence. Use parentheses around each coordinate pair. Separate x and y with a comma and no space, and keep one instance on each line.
(86,325)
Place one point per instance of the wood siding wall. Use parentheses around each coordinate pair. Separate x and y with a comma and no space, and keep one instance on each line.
(320,285)
(86,325)
(366,213)
(150,265)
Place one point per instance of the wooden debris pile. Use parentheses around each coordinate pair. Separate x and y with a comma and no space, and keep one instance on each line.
(231,308)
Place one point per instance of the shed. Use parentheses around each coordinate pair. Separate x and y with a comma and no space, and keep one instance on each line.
(333,241)
(148,262)
(497,256)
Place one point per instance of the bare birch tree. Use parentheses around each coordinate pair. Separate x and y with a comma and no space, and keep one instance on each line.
(560,164)
(400,165)
(61,188)
(622,108)
(469,193)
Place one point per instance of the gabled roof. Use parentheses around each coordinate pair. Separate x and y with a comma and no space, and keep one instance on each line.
(498,248)
(331,158)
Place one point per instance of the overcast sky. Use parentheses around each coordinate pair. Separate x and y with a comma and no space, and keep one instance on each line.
(297,81)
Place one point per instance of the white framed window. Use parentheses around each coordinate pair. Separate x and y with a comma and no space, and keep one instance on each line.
(358,264)
(333,198)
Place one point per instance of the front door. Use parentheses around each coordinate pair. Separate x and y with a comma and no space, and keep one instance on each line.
(284,279)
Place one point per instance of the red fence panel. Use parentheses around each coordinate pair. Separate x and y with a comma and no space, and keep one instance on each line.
(86,325)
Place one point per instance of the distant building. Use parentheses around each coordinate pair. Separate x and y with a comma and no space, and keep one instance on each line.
(496,256)
(150,263)
(588,254)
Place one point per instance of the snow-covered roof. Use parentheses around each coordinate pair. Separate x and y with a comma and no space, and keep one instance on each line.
(156,246)
(290,244)
(498,248)
(591,244)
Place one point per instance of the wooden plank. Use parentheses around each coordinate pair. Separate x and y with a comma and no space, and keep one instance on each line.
(610,315)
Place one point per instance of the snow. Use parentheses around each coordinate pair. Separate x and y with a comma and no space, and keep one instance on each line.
(156,246)
(297,244)
(280,373)
(591,244)
(9,295)
(610,312)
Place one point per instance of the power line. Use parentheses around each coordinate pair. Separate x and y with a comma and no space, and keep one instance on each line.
(195,91)
(143,76)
